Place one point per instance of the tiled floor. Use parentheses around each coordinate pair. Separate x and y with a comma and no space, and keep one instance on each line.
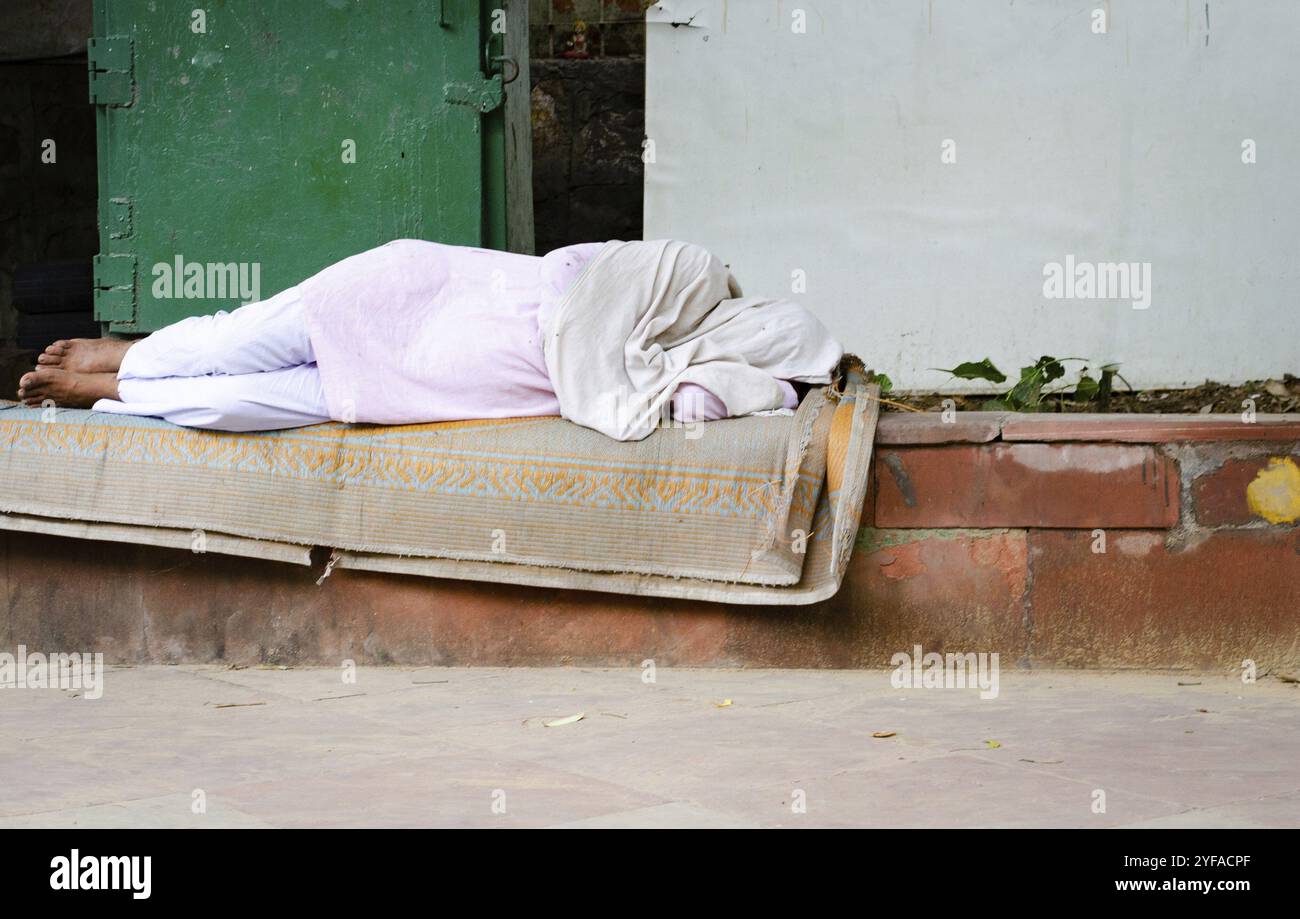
(206,746)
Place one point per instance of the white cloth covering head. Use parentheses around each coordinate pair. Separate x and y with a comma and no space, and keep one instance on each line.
(646,317)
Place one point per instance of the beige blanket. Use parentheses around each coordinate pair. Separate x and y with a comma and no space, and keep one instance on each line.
(645,317)
(751,510)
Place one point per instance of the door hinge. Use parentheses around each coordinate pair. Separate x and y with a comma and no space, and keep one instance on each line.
(484,94)
(109,64)
(119,218)
(115,288)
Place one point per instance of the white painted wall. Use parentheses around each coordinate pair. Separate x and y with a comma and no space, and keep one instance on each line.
(820,152)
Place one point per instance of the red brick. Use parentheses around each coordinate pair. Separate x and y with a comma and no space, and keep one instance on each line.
(1219,497)
(930,428)
(1024,485)
(1235,594)
(945,592)
(1150,429)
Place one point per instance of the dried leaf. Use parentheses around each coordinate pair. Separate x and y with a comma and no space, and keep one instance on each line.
(725,703)
(884,733)
(1277,388)
(992,744)
(561,722)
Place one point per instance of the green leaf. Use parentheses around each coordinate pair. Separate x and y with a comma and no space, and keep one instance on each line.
(1051,367)
(1028,393)
(976,370)
(1086,389)
(880,379)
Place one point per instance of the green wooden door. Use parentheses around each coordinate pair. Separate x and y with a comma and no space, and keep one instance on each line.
(247,144)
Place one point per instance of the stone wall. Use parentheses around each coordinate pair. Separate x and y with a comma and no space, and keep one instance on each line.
(588,126)
(602,28)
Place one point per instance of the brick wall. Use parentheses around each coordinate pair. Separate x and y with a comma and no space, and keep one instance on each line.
(1103,541)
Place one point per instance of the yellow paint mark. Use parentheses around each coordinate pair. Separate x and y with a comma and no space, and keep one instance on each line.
(1275,493)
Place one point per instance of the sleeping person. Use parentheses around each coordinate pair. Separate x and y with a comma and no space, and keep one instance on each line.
(617,336)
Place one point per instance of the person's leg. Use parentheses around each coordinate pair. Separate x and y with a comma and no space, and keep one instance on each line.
(65,387)
(85,355)
(268,335)
(291,397)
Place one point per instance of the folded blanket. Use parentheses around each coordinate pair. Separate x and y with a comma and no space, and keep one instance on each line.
(750,510)
(645,317)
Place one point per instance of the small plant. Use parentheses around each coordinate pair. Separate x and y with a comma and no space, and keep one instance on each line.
(881,380)
(1032,392)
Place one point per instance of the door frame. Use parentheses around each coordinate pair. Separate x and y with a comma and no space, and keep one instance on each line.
(519,134)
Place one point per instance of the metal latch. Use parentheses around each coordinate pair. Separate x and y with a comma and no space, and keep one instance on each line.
(484,94)
(109,65)
(496,61)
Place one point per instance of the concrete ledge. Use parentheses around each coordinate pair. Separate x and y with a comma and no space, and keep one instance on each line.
(1152,429)
(898,428)
(1037,597)
(930,428)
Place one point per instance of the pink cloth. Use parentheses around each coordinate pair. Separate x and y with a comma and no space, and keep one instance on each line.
(692,402)
(416,331)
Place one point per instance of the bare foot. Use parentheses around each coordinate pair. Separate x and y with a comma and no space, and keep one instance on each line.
(85,355)
(68,389)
